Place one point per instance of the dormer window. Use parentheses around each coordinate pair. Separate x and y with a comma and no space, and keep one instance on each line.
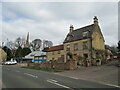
(85,34)
(69,37)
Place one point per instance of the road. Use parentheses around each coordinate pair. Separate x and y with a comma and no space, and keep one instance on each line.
(16,77)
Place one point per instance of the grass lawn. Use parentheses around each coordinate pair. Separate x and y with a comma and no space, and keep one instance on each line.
(43,69)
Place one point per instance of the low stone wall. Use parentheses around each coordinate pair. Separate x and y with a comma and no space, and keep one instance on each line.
(69,65)
(46,65)
(22,64)
(59,66)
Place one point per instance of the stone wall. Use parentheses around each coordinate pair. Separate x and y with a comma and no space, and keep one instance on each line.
(46,65)
(22,64)
(59,66)
(69,65)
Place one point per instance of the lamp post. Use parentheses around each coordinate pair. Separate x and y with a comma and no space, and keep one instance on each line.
(119,46)
(118,53)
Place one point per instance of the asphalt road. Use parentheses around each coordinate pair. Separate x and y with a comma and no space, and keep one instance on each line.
(16,77)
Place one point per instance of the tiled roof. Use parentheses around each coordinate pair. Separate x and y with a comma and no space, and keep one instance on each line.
(55,48)
(77,34)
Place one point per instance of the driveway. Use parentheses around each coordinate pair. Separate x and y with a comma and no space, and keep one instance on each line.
(107,74)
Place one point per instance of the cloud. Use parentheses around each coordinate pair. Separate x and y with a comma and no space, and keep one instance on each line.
(51,20)
(26,10)
(49,31)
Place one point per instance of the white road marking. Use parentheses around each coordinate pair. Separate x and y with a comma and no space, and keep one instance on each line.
(52,80)
(74,77)
(67,76)
(55,82)
(31,75)
(110,85)
(93,81)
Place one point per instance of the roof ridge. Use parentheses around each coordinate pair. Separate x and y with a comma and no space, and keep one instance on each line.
(58,45)
(83,27)
(54,48)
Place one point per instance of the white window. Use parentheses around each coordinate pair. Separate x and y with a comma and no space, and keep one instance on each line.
(85,45)
(76,46)
(85,34)
(68,47)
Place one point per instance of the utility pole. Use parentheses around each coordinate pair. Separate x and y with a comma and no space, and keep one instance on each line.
(118,46)
(118,53)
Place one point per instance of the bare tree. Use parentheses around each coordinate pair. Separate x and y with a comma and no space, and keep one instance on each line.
(20,42)
(47,43)
(11,45)
(36,44)
(50,44)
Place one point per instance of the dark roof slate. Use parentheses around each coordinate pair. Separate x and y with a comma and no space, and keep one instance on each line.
(77,34)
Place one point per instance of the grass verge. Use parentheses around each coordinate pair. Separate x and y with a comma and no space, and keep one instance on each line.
(43,69)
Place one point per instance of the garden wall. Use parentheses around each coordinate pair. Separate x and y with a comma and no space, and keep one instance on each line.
(69,65)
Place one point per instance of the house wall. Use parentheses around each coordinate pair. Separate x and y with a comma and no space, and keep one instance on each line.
(97,40)
(55,56)
(98,44)
(80,50)
(3,55)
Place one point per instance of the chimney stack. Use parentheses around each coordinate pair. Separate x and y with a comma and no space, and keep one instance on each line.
(95,20)
(71,28)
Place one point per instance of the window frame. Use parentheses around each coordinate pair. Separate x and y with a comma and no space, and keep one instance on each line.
(85,45)
(75,46)
(68,48)
(85,34)
(52,52)
(59,52)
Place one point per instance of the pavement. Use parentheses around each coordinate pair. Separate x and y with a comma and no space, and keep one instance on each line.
(105,74)
(16,77)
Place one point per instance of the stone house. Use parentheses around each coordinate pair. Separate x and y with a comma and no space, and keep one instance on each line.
(3,55)
(56,53)
(86,45)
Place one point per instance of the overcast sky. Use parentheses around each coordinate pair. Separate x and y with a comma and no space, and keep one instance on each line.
(51,21)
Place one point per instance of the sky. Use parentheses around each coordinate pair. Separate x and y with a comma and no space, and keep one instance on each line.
(51,20)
